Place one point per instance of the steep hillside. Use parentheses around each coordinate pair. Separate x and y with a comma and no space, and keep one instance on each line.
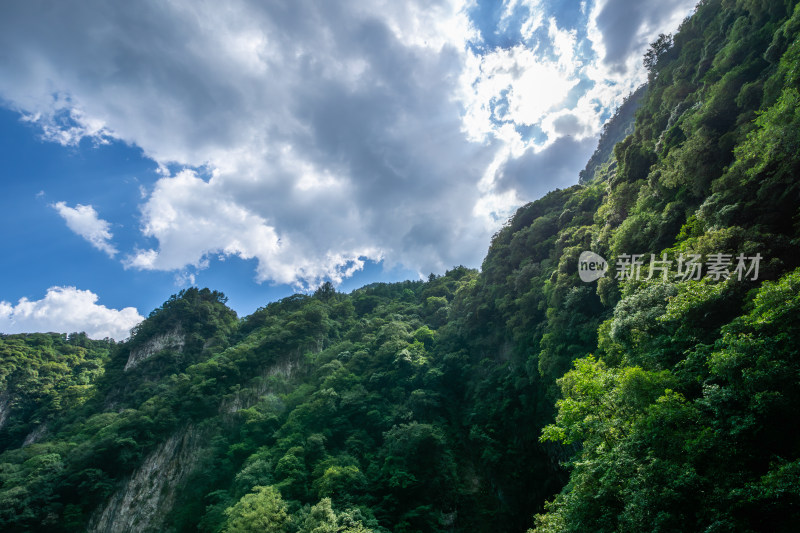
(43,379)
(658,396)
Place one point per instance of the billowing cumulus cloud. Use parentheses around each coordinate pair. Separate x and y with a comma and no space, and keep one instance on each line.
(67,310)
(83,220)
(510,87)
(313,136)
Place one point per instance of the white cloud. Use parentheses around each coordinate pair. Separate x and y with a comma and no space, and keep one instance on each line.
(425,24)
(67,310)
(65,123)
(519,86)
(530,16)
(564,42)
(83,220)
(192,219)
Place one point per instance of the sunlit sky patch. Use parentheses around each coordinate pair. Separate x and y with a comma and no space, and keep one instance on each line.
(263,148)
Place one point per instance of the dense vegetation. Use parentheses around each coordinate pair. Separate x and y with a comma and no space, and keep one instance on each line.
(511,398)
(43,378)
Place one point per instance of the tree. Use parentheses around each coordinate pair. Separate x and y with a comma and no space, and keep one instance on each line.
(261,511)
(657,49)
(321,519)
(325,292)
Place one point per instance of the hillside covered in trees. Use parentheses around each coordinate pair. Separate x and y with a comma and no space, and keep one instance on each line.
(660,397)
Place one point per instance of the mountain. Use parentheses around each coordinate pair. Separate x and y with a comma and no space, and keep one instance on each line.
(658,396)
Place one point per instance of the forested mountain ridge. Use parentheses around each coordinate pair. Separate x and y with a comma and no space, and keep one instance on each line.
(465,402)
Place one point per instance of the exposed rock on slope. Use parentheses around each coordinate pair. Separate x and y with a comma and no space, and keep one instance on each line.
(143,503)
(5,408)
(174,339)
(249,397)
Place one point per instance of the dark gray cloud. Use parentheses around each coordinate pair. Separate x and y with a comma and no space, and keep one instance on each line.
(628,26)
(533,174)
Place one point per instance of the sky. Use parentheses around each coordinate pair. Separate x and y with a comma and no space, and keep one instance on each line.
(262,148)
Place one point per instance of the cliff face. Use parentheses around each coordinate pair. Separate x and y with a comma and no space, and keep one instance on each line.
(142,504)
(174,340)
(261,386)
(36,435)
(5,408)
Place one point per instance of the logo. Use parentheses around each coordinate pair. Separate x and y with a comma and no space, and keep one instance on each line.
(591,266)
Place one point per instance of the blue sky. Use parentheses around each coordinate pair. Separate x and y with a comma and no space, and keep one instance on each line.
(261,149)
